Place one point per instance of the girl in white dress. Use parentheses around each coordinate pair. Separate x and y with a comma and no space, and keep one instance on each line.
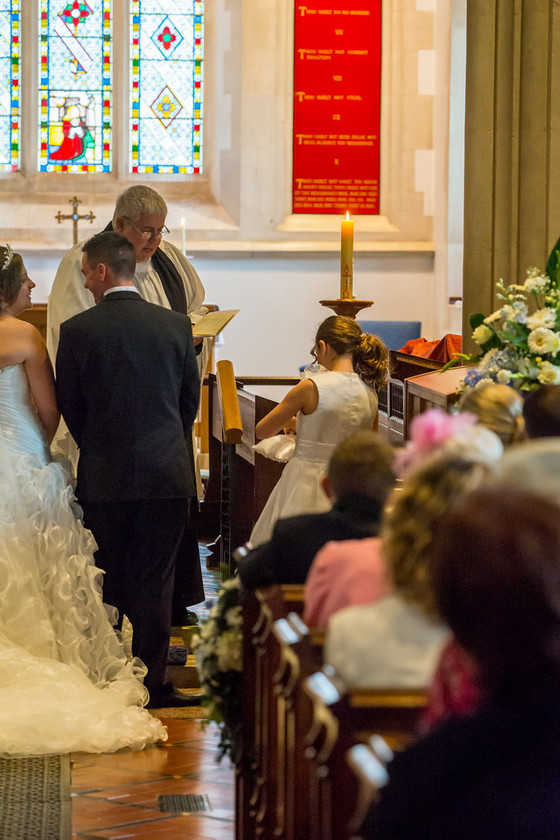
(322,410)
(65,681)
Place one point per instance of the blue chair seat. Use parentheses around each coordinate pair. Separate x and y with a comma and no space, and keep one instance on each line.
(394,334)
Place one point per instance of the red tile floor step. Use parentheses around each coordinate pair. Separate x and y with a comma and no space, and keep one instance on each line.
(115,796)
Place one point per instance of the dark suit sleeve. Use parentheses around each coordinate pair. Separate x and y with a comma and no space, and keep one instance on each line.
(257,569)
(68,390)
(190,387)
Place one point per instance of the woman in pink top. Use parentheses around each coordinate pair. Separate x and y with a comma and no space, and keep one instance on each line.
(343,574)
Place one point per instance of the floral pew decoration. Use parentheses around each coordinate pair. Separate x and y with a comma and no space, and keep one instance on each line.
(218,654)
(519,342)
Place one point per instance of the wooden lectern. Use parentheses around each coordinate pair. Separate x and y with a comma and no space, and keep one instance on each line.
(435,389)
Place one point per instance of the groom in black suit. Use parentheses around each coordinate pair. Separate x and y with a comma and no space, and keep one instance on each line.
(128,388)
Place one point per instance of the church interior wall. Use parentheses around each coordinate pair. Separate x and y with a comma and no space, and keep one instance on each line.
(250,251)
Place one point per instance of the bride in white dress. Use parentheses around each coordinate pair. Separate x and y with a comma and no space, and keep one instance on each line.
(330,405)
(66,683)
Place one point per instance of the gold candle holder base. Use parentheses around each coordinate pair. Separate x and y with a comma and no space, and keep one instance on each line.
(349,307)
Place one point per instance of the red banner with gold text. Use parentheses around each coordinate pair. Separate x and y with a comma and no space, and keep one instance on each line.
(337,87)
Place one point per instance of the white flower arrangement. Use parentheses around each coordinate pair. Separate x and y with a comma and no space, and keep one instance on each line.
(519,342)
(218,654)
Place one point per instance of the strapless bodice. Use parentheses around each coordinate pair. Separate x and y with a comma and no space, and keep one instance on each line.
(20,428)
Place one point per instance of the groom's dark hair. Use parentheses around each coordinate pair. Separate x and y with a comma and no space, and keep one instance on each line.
(113,250)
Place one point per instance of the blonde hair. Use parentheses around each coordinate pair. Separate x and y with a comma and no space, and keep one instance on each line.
(408,526)
(370,356)
(499,408)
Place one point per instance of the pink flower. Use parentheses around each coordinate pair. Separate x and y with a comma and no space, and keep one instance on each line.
(428,432)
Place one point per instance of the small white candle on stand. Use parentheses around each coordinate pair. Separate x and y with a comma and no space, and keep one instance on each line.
(346,258)
(183,237)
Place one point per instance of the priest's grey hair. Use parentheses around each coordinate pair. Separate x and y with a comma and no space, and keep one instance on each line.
(138,200)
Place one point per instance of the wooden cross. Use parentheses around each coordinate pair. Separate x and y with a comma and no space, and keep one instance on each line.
(75,216)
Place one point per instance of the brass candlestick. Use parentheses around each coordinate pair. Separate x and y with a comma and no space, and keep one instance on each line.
(347,306)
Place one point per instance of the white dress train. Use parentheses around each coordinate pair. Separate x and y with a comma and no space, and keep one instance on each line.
(66,683)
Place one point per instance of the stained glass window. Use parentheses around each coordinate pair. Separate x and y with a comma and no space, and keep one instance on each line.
(166,86)
(9,85)
(75,86)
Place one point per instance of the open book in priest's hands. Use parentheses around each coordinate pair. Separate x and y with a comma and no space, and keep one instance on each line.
(213,323)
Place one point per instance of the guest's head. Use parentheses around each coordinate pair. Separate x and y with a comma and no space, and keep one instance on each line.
(108,259)
(408,526)
(140,214)
(498,408)
(541,410)
(362,465)
(495,564)
(15,284)
(435,433)
(341,336)
(534,465)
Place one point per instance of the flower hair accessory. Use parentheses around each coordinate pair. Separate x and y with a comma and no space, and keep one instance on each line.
(436,431)
(7,258)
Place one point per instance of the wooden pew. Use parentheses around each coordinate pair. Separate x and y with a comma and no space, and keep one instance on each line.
(301,654)
(256,779)
(293,781)
(340,721)
(368,761)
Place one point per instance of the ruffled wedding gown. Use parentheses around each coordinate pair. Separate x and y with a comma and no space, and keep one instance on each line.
(65,681)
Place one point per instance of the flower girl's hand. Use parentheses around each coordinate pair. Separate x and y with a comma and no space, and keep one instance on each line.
(290,427)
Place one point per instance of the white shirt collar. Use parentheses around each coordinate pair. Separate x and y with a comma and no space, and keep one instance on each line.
(120,289)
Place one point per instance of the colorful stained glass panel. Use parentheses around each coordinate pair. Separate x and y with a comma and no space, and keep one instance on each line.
(9,85)
(166,68)
(75,86)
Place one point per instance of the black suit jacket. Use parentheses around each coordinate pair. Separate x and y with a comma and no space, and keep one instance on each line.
(128,388)
(295,541)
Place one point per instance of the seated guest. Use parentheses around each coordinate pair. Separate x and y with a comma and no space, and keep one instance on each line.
(397,641)
(541,410)
(359,478)
(533,465)
(494,775)
(498,408)
(352,572)
(344,574)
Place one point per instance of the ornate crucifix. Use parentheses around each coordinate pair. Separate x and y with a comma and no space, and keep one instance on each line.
(75,216)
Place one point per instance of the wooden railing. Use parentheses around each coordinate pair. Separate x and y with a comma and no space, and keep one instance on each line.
(240,481)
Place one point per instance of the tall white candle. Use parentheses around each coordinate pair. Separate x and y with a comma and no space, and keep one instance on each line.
(183,237)
(346,258)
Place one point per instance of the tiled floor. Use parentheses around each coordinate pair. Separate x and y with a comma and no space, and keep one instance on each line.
(116,796)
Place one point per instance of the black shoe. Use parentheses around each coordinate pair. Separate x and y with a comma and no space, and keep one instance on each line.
(187,618)
(167,698)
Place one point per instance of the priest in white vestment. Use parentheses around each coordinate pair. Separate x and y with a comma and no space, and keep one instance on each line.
(68,294)
(163,276)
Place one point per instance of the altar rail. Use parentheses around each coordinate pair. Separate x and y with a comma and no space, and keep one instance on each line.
(294,780)
(240,480)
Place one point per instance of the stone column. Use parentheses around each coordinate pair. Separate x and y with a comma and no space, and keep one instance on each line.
(512,154)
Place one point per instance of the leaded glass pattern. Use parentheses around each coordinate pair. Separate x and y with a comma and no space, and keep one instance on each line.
(75,86)
(9,85)
(166,67)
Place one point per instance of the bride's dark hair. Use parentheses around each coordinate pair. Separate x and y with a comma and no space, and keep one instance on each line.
(10,277)
(370,356)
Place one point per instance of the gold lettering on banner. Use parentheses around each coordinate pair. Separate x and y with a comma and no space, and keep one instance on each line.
(320,193)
